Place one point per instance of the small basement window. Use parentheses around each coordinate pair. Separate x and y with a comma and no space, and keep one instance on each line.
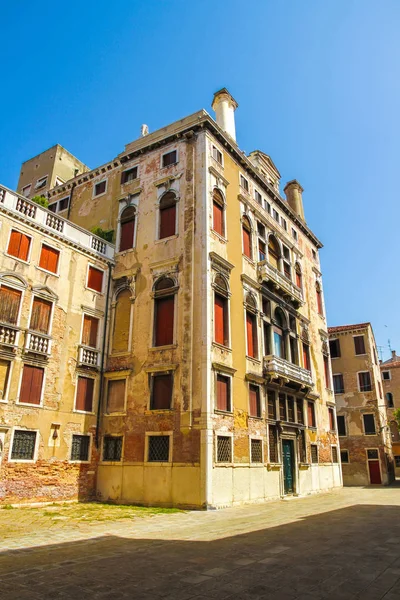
(158,448)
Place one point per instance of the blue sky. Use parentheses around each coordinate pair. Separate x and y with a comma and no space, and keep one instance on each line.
(318,87)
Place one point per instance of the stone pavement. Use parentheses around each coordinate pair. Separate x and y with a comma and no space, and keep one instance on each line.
(337,546)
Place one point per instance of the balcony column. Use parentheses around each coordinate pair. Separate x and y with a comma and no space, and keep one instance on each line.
(288,350)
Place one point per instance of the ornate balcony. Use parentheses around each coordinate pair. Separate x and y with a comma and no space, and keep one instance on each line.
(8,335)
(279,368)
(37,343)
(267,272)
(89,357)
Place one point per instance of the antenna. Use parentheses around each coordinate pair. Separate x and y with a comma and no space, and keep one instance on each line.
(390,347)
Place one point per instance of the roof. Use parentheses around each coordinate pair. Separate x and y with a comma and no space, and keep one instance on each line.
(340,328)
(388,364)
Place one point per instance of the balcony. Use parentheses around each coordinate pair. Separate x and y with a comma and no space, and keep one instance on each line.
(37,343)
(89,357)
(267,272)
(279,368)
(8,336)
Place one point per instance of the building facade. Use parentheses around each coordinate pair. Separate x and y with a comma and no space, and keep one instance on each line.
(53,286)
(390,371)
(365,440)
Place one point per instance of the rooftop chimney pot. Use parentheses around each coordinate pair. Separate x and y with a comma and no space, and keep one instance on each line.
(224,106)
(293,192)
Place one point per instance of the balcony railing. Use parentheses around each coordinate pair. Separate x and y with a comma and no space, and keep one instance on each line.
(267,272)
(275,367)
(90,357)
(37,343)
(8,335)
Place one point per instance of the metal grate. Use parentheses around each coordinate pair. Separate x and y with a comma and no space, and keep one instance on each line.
(256,451)
(314,453)
(23,445)
(80,447)
(112,448)
(302,447)
(273,447)
(158,448)
(224,448)
(372,454)
(334,454)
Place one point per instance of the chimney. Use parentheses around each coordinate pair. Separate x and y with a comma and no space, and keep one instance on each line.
(394,355)
(224,106)
(293,192)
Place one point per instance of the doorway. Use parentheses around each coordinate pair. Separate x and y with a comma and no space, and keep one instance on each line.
(288,466)
(374,468)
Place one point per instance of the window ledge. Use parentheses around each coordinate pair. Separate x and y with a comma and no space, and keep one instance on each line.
(115,414)
(93,291)
(249,260)
(312,427)
(46,271)
(167,347)
(221,347)
(166,239)
(220,238)
(24,262)
(127,251)
(158,411)
(274,466)
(30,404)
(304,465)
(256,418)
(227,413)
(254,360)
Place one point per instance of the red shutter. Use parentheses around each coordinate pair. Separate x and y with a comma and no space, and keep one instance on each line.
(127,233)
(319,301)
(223,401)
(246,242)
(306,357)
(218,218)
(167,221)
(89,332)
(327,374)
(162,392)
(165,321)
(298,279)
(95,279)
(31,385)
(331,420)
(84,394)
(310,414)
(219,320)
(40,317)
(251,335)
(49,259)
(19,245)
(9,305)
(254,401)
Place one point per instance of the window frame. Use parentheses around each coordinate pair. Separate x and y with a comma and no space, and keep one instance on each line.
(225,295)
(171,292)
(359,382)
(314,425)
(57,203)
(218,434)
(314,462)
(246,225)
(12,286)
(260,439)
(29,185)
(387,378)
(222,201)
(85,375)
(36,449)
(6,391)
(342,389)
(151,376)
(158,239)
(52,310)
(346,462)
(40,187)
(108,381)
(354,342)
(99,327)
(245,187)
(345,434)
(18,401)
(119,229)
(28,260)
(54,273)
(337,345)
(112,435)
(96,183)
(130,168)
(81,462)
(214,147)
(149,434)
(162,166)
(332,419)
(363,423)
(337,461)
(259,399)
(103,283)
(229,376)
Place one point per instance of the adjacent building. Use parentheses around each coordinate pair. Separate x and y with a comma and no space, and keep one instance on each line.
(390,370)
(365,440)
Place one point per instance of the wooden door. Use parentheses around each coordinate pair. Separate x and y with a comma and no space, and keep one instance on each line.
(374,472)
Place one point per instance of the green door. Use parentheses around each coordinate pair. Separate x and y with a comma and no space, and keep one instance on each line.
(287,451)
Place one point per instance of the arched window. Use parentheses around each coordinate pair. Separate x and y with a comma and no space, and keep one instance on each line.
(279,340)
(218,213)
(389,400)
(299,277)
(246,236)
(167,225)
(122,322)
(127,231)
(251,326)
(319,298)
(221,313)
(164,311)
(273,252)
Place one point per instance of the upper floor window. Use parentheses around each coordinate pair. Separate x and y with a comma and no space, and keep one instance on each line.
(244,183)
(95,279)
(41,183)
(127,229)
(129,175)
(49,258)
(334,346)
(19,245)
(167,208)
(369,424)
(341,424)
(89,331)
(100,188)
(299,277)
(246,237)
(254,401)
(10,301)
(389,400)
(311,414)
(84,394)
(306,357)
(122,321)
(338,383)
(294,234)
(60,205)
(275,215)
(286,262)
(251,327)
(359,344)
(284,223)
(386,375)
(331,415)
(279,340)
(170,158)
(258,197)
(318,292)
(223,393)
(327,372)
(164,311)
(26,190)
(31,385)
(364,381)
(161,391)
(218,213)
(40,315)
(221,313)
(217,155)
(273,252)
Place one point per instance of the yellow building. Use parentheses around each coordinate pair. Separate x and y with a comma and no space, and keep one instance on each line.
(365,441)
(53,288)
(390,371)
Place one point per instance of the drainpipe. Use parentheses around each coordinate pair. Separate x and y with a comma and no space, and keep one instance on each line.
(103,351)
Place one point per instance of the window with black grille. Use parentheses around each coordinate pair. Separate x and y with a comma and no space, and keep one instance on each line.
(23,447)
(256,451)
(314,453)
(302,447)
(273,445)
(224,448)
(334,454)
(158,448)
(112,448)
(80,447)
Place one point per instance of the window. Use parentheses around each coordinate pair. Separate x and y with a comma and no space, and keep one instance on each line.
(275,215)
(129,175)
(369,424)
(127,230)
(273,444)
(223,393)
(284,223)
(372,454)
(84,394)
(256,451)
(59,206)
(271,405)
(161,391)
(246,237)
(116,395)
(26,190)
(334,454)
(24,443)
(164,310)
(302,447)
(41,183)
(170,158)
(397,461)
(254,401)
(217,155)
(122,322)
(314,453)
(314,254)
(40,315)
(49,259)
(290,409)
(287,271)
(5,368)
(359,344)
(95,279)
(389,400)
(299,279)
(89,331)
(294,234)
(300,413)
(282,407)
(338,383)
(279,340)
(221,319)
(31,385)
(10,301)
(262,252)
(364,381)
(251,334)
(167,216)
(334,346)
(224,449)
(331,414)
(100,188)
(218,213)
(258,197)
(327,372)
(80,447)
(244,183)
(311,414)
(386,375)
(273,252)
(158,448)
(112,448)
(268,207)
(319,298)
(341,424)
(344,456)
(19,245)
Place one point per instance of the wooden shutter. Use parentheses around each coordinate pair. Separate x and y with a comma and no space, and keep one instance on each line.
(49,259)
(327,373)
(251,335)
(89,332)
(19,245)
(4,374)
(223,394)
(162,392)
(306,357)
(9,305)
(298,279)
(116,395)
(218,222)
(167,221)
(331,419)
(84,394)
(246,242)
(40,317)
(127,233)
(122,322)
(310,414)
(219,320)
(31,385)
(359,344)
(165,321)
(319,301)
(95,279)
(254,397)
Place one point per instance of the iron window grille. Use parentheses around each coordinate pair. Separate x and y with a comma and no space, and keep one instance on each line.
(158,448)
(80,447)
(224,448)
(314,453)
(112,448)
(273,445)
(334,454)
(23,445)
(372,454)
(256,451)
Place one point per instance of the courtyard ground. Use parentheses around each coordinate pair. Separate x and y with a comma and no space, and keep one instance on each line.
(337,546)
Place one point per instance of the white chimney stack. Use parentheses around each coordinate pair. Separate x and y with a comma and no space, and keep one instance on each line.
(224,106)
